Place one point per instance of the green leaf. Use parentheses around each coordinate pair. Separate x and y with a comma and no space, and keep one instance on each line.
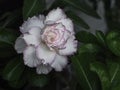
(114,46)
(77,19)
(86,37)
(112,35)
(87,79)
(103,74)
(113,42)
(100,37)
(33,7)
(82,7)
(13,69)
(114,69)
(7,36)
(7,40)
(36,79)
(91,48)
(11,18)
(18,83)
(55,4)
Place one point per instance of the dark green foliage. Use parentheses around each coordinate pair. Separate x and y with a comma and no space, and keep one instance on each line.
(33,7)
(86,37)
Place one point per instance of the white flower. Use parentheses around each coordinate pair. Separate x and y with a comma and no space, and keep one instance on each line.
(47,41)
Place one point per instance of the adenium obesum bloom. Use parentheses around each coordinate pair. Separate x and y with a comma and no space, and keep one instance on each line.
(47,41)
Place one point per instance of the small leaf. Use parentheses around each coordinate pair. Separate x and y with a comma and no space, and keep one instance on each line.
(103,74)
(113,42)
(77,20)
(33,7)
(82,7)
(86,37)
(36,79)
(13,69)
(112,35)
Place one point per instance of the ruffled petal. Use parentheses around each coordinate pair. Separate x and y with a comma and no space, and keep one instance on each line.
(68,24)
(31,39)
(20,44)
(59,63)
(43,69)
(32,22)
(70,47)
(36,31)
(30,58)
(55,15)
(44,53)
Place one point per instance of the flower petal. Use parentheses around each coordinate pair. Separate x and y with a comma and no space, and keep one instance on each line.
(70,47)
(30,58)
(59,63)
(31,39)
(32,22)
(44,53)
(43,69)
(55,15)
(68,24)
(20,44)
(36,31)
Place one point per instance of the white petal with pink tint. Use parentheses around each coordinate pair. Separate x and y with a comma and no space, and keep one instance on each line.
(32,22)
(59,63)
(55,15)
(30,58)
(36,31)
(20,44)
(43,69)
(70,47)
(44,53)
(67,23)
(31,39)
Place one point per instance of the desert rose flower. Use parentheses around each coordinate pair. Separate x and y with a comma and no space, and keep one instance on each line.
(47,41)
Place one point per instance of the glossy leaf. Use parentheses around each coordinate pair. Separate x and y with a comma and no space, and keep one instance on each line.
(112,34)
(113,42)
(82,7)
(86,37)
(87,79)
(91,48)
(114,69)
(103,74)
(33,7)
(13,69)
(77,19)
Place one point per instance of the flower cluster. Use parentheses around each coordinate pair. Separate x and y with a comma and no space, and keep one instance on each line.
(47,41)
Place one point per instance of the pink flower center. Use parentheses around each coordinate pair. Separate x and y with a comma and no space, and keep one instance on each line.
(54,36)
(51,36)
